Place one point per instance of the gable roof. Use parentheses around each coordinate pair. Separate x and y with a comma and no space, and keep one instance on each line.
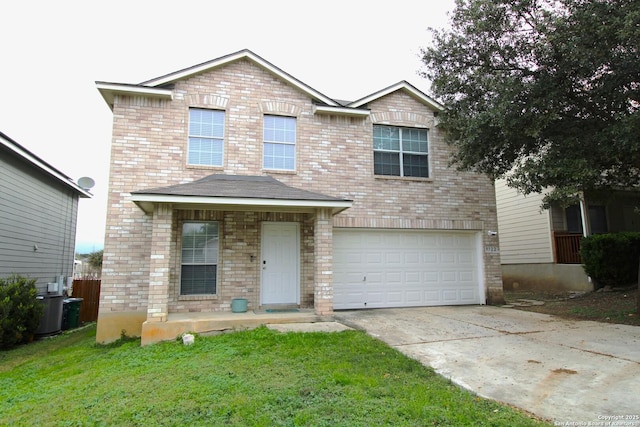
(237,190)
(154,87)
(159,87)
(37,163)
(401,85)
(242,54)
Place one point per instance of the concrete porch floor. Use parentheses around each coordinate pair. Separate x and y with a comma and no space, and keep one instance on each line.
(201,323)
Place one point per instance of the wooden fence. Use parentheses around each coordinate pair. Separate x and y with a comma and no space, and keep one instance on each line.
(89,291)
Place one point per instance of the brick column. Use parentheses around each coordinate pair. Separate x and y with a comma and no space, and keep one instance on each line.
(158,303)
(323,262)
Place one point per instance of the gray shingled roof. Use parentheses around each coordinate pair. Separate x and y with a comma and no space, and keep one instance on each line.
(239,186)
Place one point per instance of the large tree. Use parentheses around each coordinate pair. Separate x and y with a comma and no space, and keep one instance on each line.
(543,92)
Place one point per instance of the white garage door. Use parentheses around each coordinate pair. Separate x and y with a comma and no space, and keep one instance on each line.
(405,268)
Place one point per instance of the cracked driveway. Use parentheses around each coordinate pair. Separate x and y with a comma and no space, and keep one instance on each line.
(561,370)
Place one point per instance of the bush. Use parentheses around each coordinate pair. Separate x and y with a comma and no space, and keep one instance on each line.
(611,259)
(20,311)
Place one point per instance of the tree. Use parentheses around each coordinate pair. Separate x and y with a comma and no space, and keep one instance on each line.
(94,260)
(545,93)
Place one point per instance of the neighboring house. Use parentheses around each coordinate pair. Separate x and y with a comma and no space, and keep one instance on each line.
(540,248)
(38,212)
(233,179)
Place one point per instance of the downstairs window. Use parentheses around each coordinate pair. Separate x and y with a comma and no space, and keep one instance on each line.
(199,263)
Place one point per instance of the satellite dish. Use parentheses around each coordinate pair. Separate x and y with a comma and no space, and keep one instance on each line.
(86,183)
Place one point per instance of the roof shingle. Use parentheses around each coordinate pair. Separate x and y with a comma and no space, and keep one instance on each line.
(239,186)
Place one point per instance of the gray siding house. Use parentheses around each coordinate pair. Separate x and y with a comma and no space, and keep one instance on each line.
(38,212)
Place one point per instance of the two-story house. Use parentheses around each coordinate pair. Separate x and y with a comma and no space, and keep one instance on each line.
(38,217)
(233,179)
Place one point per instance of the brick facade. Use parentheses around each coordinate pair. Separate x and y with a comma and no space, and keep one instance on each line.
(333,156)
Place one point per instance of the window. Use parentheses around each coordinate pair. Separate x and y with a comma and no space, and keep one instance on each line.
(400,151)
(597,219)
(279,143)
(206,133)
(199,258)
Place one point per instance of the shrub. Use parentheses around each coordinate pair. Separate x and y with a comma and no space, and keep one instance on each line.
(611,259)
(20,311)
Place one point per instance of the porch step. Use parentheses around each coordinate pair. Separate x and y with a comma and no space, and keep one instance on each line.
(278,308)
(201,323)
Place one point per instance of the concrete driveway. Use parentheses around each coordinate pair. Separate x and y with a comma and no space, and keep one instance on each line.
(569,372)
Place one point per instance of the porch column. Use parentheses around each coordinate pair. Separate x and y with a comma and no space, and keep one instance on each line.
(158,301)
(584,214)
(323,265)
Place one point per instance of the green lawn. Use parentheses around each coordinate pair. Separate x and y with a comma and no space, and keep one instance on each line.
(254,378)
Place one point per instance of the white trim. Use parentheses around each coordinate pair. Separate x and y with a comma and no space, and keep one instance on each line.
(34,160)
(146,201)
(340,111)
(110,90)
(482,284)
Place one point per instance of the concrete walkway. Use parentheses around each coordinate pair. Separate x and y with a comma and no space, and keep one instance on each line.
(568,372)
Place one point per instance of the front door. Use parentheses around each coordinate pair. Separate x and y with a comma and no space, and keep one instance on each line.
(280,263)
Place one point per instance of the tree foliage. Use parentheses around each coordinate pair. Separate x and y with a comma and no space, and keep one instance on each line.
(543,92)
(94,260)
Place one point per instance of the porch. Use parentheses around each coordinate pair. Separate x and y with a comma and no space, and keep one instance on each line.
(203,323)
(226,237)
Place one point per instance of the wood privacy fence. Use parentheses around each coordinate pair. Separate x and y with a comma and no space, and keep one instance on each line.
(89,291)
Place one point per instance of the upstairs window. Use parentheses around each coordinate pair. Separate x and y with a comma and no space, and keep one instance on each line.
(279,143)
(199,269)
(206,137)
(400,151)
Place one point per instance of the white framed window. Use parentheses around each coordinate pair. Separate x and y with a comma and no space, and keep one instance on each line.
(279,143)
(399,151)
(199,261)
(206,137)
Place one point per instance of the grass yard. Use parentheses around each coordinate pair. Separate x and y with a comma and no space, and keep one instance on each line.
(248,378)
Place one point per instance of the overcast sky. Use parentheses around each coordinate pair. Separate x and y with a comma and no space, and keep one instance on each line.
(53,52)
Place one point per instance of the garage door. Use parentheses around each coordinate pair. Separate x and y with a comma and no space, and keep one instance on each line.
(408,268)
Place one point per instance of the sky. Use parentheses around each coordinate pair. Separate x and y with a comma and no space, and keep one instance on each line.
(53,52)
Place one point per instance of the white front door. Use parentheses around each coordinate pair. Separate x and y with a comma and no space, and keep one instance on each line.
(280,263)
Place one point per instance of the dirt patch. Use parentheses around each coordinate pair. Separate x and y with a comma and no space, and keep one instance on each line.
(617,305)
(564,371)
